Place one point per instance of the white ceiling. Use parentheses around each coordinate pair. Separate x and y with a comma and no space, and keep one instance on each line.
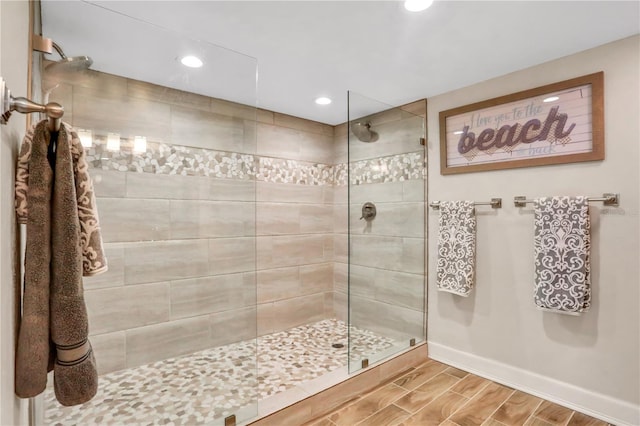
(304,49)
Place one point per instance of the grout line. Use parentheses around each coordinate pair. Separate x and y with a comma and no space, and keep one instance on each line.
(469,400)
(532,415)
(569,419)
(501,404)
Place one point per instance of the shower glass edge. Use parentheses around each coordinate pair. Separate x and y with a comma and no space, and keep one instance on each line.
(386,252)
(191,355)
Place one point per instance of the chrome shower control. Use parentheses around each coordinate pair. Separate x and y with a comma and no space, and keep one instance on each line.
(368,211)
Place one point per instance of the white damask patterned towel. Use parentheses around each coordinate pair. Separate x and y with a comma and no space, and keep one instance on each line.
(562,243)
(456,247)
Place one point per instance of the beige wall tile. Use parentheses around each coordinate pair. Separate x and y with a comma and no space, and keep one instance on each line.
(231,190)
(153,92)
(399,288)
(316,278)
(114,276)
(361,281)
(340,195)
(398,219)
(278,218)
(340,219)
(233,109)
(281,251)
(297,311)
(276,284)
(288,193)
(413,255)
(191,127)
(207,295)
(416,108)
(376,251)
(111,85)
(233,326)
(340,307)
(279,142)
(341,248)
(266,314)
(329,311)
(414,190)
(399,323)
(166,340)
(390,192)
(121,308)
(340,276)
(102,112)
(211,219)
(174,187)
(265,116)
(166,260)
(231,255)
(126,219)
(316,218)
(107,183)
(109,350)
(292,122)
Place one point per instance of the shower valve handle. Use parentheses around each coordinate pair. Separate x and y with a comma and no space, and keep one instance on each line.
(368,211)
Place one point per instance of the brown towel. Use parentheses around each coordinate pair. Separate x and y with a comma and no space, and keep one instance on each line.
(63,243)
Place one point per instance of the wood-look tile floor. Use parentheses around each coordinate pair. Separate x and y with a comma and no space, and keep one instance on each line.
(437,394)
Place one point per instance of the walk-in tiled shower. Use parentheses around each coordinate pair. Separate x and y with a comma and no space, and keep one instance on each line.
(239,267)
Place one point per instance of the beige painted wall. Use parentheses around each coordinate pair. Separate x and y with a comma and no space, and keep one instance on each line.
(598,351)
(14,23)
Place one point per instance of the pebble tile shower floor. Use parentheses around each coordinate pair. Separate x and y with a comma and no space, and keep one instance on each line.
(215,383)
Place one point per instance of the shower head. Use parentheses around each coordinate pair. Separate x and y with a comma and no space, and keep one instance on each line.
(363,131)
(68,65)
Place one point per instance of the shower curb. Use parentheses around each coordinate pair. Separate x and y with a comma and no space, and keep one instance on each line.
(323,402)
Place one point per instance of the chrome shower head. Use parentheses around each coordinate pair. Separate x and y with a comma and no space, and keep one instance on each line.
(362,130)
(68,65)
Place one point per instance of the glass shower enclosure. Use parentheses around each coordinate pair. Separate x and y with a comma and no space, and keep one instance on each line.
(386,231)
(173,321)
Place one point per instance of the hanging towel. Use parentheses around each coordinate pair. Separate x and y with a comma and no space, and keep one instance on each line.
(456,247)
(63,244)
(562,243)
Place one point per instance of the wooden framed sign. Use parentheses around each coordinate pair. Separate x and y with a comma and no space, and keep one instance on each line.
(558,123)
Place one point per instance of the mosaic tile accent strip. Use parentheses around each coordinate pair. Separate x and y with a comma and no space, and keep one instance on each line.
(214,383)
(395,168)
(161,158)
(278,170)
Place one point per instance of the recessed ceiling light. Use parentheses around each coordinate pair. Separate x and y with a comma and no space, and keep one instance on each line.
(417,5)
(551,99)
(323,101)
(191,62)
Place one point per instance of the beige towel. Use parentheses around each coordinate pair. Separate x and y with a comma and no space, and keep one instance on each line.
(63,244)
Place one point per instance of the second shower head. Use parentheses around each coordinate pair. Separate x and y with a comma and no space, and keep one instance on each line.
(362,131)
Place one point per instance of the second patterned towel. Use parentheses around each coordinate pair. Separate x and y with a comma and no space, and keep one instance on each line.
(562,242)
(456,247)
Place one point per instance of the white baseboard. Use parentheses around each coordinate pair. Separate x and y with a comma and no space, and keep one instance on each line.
(594,404)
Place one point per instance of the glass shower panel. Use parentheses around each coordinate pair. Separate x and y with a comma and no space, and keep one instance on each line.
(386,230)
(173,321)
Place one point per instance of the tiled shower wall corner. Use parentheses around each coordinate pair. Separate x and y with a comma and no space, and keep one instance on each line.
(387,255)
(179,220)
